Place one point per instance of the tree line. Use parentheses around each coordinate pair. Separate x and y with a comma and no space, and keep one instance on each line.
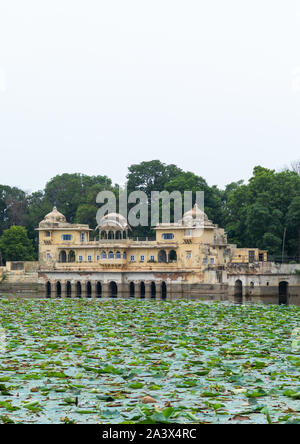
(263,213)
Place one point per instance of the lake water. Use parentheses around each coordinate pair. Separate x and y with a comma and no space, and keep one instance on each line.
(94,361)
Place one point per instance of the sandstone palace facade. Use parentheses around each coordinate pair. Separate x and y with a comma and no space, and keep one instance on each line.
(184,260)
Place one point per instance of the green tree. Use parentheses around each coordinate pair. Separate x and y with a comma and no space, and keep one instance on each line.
(187,181)
(15,245)
(13,207)
(256,213)
(150,176)
(293,222)
(68,191)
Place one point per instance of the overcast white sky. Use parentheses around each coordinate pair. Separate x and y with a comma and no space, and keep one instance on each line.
(93,86)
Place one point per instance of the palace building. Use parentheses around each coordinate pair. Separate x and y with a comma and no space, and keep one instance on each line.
(183,260)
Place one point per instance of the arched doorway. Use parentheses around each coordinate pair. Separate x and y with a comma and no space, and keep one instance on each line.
(99,289)
(71,256)
(88,289)
(238,291)
(78,289)
(142,290)
(162,256)
(172,256)
(131,289)
(163,290)
(48,289)
(63,256)
(283,293)
(68,289)
(113,289)
(58,289)
(153,290)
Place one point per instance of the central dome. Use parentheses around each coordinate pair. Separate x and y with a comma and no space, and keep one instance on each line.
(113,221)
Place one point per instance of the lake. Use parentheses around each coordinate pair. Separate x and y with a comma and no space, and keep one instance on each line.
(146,361)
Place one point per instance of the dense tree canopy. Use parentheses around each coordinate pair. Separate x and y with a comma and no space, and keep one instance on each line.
(254,214)
(16,246)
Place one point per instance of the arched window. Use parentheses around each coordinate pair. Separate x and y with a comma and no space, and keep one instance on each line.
(63,256)
(118,255)
(110,255)
(172,256)
(103,255)
(71,256)
(162,256)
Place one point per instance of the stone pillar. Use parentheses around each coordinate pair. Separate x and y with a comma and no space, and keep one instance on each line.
(105,290)
(94,289)
(63,289)
(53,290)
(126,290)
(147,290)
(73,289)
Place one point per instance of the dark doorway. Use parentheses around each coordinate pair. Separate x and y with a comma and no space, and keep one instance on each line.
(163,290)
(283,293)
(238,292)
(78,289)
(48,289)
(99,289)
(131,289)
(58,289)
(113,289)
(69,289)
(142,290)
(153,290)
(88,289)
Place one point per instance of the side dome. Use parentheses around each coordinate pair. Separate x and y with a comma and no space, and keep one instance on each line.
(54,217)
(195,217)
(113,221)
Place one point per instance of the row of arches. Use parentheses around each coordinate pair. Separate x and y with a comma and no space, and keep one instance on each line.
(163,256)
(86,289)
(66,257)
(139,289)
(283,293)
(119,234)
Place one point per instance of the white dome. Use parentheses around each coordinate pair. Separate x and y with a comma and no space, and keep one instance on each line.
(113,221)
(195,217)
(54,217)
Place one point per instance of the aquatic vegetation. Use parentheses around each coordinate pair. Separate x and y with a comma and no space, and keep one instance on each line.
(141,361)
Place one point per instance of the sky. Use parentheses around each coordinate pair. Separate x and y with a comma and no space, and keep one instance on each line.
(94,86)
